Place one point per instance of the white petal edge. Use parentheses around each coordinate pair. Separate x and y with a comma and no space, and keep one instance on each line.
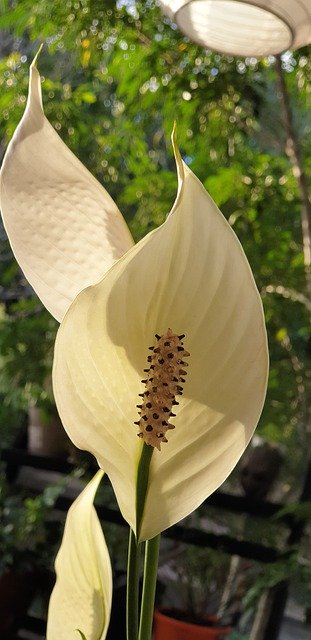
(191,275)
(81,598)
(64,228)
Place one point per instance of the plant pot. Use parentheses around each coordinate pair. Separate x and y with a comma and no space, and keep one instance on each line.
(46,437)
(167,627)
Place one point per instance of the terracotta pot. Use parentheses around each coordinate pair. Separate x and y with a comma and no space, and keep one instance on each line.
(168,628)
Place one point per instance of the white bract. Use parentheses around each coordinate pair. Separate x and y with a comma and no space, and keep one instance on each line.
(81,598)
(64,228)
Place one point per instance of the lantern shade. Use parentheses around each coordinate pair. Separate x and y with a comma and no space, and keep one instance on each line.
(253,28)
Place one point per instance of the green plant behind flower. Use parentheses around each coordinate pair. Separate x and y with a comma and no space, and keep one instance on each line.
(25,538)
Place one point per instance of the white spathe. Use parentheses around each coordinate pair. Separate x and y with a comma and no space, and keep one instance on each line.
(64,228)
(247,28)
(191,275)
(81,598)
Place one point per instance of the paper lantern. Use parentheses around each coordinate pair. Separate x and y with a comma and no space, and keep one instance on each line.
(253,28)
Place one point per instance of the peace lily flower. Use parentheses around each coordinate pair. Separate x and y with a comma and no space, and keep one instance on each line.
(189,276)
(81,598)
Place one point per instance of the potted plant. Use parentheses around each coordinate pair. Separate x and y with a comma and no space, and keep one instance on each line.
(27,334)
(193,578)
(27,545)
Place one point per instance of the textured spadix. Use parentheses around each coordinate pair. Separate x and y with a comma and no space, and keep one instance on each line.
(190,275)
(81,598)
(64,228)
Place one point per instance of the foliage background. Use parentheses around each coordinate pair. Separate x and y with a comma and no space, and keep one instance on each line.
(116,74)
(115,77)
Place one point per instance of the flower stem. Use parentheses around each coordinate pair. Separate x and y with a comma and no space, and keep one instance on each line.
(142,483)
(133,563)
(132,588)
(149,587)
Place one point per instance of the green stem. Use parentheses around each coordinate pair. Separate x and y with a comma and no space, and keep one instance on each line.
(149,587)
(133,564)
(142,483)
(132,588)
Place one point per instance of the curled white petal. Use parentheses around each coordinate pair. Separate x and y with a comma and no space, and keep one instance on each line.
(81,598)
(64,228)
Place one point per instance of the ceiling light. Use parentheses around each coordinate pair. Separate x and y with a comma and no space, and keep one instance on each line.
(253,28)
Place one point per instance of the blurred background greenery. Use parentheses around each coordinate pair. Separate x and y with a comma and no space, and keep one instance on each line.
(115,76)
